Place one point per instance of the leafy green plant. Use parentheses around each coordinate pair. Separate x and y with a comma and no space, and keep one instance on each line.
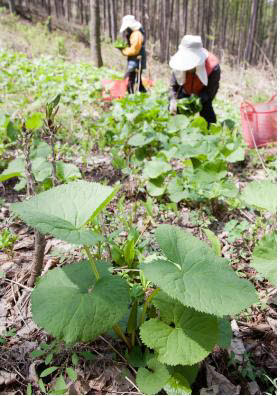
(119,43)
(7,241)
(261,195)
(52,376)
(188,302)
(264,257)
(236,229)
(189,106)
(6,335)
(86,288)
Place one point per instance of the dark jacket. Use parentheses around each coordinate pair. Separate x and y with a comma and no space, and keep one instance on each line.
(207,93)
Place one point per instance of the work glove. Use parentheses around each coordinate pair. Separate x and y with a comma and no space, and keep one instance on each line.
(173,106)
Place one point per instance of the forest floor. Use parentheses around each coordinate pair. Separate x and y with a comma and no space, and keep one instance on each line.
(249,365)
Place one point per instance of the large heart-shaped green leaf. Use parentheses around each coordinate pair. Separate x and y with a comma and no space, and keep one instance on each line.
(261,194)
(178,385)
(153,169)
(225,333)
(15,169)
(177,123)
(153,379)
(67,171)
(140,140)
(64,210)
(195,276)
(181,379)
(264,258)
(71,305)
(182,336)
(156,187)
(41,169)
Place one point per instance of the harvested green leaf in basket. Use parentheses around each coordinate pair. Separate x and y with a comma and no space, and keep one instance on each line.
(189,106)
(119,43)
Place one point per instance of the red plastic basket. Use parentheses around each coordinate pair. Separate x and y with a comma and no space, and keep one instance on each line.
(259,122)
(114,89)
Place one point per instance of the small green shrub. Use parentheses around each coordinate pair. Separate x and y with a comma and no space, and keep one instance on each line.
(194,290)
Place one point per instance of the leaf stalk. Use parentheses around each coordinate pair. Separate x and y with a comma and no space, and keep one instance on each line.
(92,262)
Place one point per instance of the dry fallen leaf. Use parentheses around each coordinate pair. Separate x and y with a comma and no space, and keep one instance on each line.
(25,243)
(237,347)
(7,378)
(254,388)
(225,387)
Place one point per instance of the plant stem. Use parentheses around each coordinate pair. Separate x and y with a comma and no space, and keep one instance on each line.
(39,239)
(133,338)
(146,304)
(92,262)
(38,258)
(120,334)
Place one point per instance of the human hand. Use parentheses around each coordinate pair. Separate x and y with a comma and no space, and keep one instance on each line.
(173,106)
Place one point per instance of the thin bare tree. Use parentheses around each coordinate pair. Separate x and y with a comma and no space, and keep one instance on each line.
(94,27)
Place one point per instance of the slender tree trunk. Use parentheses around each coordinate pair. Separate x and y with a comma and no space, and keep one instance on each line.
(202,31)
(169,17)
(113,19)
(155,19)
(94,28)
(177,23)
(162,31)
(198,18)
(105,17)
(250,39)
(185,13)
(109,19)
(12,6)
(235,26)
(192,18)
(226,13)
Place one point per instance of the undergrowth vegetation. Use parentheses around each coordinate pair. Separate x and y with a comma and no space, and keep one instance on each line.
(167,295)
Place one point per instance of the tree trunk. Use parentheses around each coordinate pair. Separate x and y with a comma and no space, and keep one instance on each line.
(94,29)
(162,31)
(168,21)
(235,26)
(113,19)
(12,7)
(198,18)
(252,26)
(185,13)
(177,22)
(109,19)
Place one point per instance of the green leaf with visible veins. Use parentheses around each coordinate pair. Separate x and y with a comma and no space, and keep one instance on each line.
(15,169)
(64,210)
(182,336)
(195,276)
(214,240)
(225,333)
(152,380)
(264,258)
(155,168)
(178,385)
(71,305)
(156,187)
(261,194)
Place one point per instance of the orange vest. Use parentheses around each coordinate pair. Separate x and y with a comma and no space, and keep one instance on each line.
(193,85)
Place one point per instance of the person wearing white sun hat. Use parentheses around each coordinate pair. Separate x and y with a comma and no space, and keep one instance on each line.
(194,71)
(135,52)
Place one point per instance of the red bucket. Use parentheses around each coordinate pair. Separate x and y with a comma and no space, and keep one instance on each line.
(259,122)
(114,89)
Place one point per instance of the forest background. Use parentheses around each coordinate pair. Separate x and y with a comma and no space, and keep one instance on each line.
(244,30)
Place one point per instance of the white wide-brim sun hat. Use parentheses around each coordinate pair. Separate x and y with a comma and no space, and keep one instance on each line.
(129,21)
(189,55)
